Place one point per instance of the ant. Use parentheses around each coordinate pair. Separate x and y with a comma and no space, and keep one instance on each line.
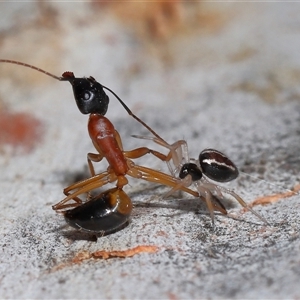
(210,165)
(110,210)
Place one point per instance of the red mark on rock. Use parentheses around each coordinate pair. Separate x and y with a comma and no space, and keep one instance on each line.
(21,131)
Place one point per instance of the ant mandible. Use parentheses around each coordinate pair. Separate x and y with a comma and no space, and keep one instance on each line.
(110,210)
(210,165)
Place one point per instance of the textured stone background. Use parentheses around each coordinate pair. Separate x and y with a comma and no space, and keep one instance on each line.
(222,75)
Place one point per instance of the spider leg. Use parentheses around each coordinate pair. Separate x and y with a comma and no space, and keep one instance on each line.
(244,204)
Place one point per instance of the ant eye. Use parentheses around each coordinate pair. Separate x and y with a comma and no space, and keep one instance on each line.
(87,95)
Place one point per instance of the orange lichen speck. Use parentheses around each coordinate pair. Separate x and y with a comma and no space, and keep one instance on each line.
(22,131)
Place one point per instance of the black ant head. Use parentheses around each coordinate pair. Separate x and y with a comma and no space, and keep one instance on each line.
(89,94)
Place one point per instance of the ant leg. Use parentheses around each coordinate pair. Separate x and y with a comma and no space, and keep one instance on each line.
(83,187)
(178,152)
(157,177)
(86,182)
(139,152)
(70,205)
(93,157)
(165,179)
(187,181)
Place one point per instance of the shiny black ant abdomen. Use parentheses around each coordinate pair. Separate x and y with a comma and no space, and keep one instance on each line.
(107,213)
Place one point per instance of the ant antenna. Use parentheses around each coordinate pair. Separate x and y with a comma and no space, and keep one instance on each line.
(132,114)
(29,66)
(63,79)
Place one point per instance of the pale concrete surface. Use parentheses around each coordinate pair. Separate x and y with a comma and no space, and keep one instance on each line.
(233,87)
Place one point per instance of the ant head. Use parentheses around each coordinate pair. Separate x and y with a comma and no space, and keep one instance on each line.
(217,166)
(89,94)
